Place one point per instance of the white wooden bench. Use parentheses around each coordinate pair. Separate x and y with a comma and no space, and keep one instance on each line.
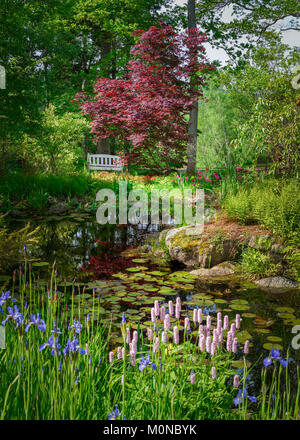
(104,162)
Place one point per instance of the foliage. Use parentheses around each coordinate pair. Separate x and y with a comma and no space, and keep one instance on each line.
(239,25)
(257,264)
(57,146)
(273,128)
(12,244)
(292,255)
(51,53)
(273,203)
(252,116)
(150,107)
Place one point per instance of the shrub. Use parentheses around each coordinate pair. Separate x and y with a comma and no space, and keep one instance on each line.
(257,264)
(275,204)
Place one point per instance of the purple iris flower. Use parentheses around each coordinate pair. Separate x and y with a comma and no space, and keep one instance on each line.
(52,344)
(72,347)
(273,357)
(4,297)
(123,319)
(115,414)
(15,315)
(145,362)
(37,321)
(240,396)
(77,326)
(56,330)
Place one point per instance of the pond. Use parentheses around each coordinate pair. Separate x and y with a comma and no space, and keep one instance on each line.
(111,273)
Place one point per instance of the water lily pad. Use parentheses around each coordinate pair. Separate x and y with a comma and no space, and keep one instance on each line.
(285,309)
(134,269)
(240,364)
(274,338)
(248,315)
(149,288)
(270,345)
(239,307)
(187,286)
(157,273)
(140,260)
(262,330)
(243,335)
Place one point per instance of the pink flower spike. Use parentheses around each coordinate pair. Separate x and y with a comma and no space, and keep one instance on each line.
(176,335)
(193,378)
(234,345)
(238,321)
(202,343)
(226,323)
(150,334)
(187,323)
(208,322)
(208,344)
(199,316)
(128,337)
(195,315)
(111,356)
(167,322)
(213,349)
(213,373)
(156,345)
(246,347)
(132,358)
(162,313)
(171,308)
(236,381)
(119,351)
(153,318)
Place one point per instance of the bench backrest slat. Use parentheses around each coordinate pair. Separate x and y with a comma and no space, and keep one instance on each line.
(104,162)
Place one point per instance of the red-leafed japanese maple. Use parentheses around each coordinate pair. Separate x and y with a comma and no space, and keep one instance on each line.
(150,107)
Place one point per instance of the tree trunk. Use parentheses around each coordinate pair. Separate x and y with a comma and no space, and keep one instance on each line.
(193,120)
(103,145)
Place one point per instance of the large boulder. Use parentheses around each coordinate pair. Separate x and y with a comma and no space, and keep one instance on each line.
(188,246)
(221,270)
(59,208)
(277,283)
